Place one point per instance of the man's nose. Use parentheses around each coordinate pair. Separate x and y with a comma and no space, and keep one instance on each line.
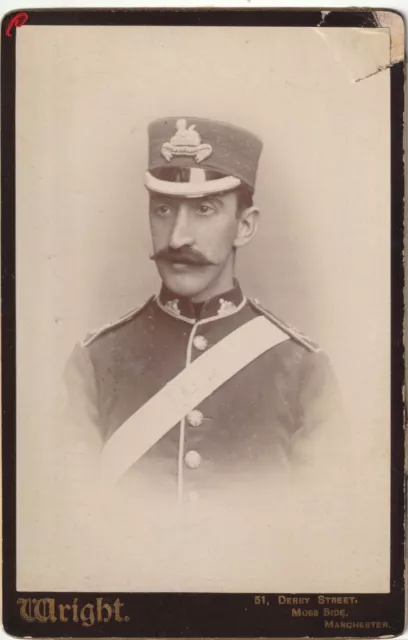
(180,235)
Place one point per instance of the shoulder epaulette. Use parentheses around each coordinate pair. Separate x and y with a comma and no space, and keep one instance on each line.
(305,341)
(113,325)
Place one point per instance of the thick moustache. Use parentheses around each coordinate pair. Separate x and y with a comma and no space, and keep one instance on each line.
(182,256)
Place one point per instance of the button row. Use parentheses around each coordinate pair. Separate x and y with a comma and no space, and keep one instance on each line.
(195,418)
(192,458)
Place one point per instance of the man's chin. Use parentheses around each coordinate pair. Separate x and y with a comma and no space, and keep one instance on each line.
(186,282)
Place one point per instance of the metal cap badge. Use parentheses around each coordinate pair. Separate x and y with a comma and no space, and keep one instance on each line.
(193,157)
(186,142)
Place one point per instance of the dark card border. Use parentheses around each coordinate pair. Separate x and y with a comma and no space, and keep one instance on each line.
(177,614)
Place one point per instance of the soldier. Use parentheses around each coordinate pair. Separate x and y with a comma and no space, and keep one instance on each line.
(201,389)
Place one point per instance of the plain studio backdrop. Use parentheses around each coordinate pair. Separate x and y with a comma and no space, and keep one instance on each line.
(321,259)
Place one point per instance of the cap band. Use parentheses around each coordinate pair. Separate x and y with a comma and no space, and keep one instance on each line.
(196,186)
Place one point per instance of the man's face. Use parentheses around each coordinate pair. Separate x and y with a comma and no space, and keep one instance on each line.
(193,240)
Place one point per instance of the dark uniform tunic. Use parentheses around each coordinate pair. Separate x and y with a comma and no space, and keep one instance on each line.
(268,417)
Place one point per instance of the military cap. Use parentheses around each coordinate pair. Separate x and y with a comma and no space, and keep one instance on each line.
(193,157)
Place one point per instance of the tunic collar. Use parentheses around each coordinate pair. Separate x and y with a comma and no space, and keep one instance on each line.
(217,307)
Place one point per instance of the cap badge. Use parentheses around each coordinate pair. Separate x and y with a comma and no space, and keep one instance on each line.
(186,142)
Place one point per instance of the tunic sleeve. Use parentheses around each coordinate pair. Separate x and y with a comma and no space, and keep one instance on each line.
(81,388)
(320,435)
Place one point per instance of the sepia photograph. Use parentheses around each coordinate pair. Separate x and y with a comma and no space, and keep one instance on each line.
(203,295)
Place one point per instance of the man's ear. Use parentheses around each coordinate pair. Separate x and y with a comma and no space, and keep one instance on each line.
(248,222)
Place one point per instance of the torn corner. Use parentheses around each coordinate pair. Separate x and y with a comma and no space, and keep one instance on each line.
(394,22)
(359,52)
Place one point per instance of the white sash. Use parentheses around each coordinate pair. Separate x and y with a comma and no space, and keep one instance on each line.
(185,392)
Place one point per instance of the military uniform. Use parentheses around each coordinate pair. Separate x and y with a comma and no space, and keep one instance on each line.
(256,423)
(263,418)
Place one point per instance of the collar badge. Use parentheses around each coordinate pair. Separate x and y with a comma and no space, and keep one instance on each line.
(186,142)
(226,306)
(173,305)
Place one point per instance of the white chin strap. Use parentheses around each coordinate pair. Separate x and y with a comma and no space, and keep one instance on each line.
(196,187)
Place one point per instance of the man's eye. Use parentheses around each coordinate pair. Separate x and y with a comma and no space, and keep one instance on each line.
(162,210)
(205,210)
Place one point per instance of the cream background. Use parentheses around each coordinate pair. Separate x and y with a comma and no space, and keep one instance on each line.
(321,260)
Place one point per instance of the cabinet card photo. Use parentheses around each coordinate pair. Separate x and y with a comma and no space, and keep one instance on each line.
(203,371)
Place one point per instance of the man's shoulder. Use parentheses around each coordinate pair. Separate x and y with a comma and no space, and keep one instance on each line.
(117,327)
(299,361)
(298,339)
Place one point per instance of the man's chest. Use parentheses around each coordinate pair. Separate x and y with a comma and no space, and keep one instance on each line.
(247,418)
(239,430)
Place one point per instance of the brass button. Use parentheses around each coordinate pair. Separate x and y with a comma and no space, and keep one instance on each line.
(200,343)
(195,418)
(192,459)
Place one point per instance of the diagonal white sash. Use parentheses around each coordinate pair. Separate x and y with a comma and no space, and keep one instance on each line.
(184,392)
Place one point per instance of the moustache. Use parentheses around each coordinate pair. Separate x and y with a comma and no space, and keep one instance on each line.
(182,256)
